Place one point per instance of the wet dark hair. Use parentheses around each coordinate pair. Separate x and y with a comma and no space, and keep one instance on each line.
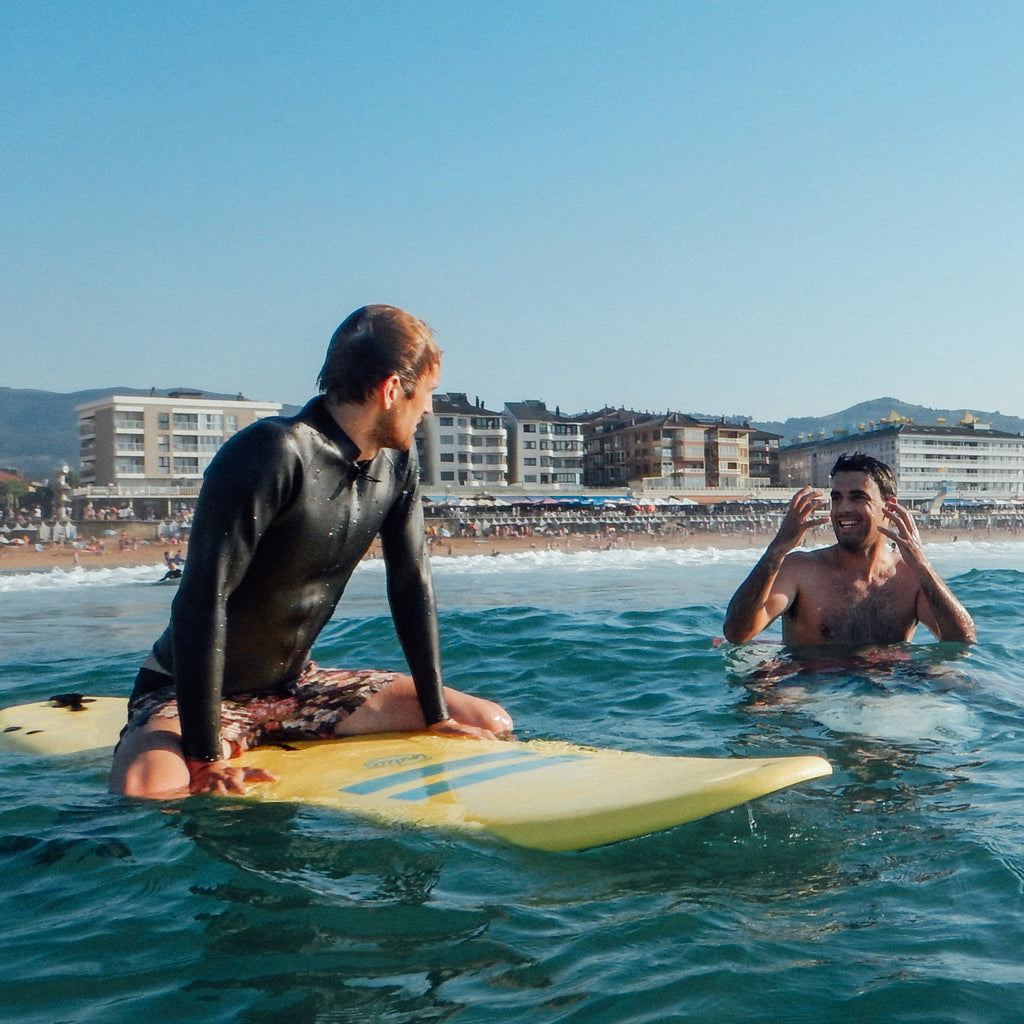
(371,345)
(858,462)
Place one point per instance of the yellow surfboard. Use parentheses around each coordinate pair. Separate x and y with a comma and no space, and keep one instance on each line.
(539,794)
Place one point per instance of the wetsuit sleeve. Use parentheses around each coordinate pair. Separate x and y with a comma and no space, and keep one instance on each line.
(252,477)
(411,593)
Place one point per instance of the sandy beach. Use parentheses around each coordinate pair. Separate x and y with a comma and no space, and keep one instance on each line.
(27,558)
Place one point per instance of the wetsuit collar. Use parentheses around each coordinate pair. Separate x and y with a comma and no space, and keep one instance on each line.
(315,413)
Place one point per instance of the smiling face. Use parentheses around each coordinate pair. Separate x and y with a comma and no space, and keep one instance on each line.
(857,510)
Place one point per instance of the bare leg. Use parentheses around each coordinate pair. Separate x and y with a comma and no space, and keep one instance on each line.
(397,709)
(150,762)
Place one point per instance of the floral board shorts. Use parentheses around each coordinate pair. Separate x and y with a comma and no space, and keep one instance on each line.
(308,708)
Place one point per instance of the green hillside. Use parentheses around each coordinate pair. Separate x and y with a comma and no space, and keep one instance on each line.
(875,411)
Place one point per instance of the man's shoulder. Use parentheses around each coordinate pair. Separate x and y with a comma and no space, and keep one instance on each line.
(262,438)
(802,563)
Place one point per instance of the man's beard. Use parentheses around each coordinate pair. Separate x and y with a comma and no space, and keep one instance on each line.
(852,541)
(385,432)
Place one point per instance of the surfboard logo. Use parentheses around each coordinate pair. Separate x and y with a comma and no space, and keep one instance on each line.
(395,760)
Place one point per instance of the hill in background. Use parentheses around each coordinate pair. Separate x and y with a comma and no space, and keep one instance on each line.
(875,411)
(39,429)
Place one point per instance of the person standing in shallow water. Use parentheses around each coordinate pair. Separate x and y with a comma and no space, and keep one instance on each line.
(287,509)
(873,586)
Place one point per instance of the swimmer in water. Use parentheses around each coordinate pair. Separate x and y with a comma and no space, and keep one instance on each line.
(873,586)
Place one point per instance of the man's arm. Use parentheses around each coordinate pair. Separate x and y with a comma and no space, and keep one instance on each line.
(770,589)
(759,601)
(411,595)
(937,606)
(246,484)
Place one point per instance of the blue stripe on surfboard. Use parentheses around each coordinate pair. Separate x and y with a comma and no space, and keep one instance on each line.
(417,774)
(497,772)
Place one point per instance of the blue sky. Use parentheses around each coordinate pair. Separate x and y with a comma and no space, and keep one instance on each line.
(767,208)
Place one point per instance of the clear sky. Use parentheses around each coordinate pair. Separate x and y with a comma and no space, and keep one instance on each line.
(762,208)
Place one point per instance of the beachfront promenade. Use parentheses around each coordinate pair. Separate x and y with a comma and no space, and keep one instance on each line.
(490,525)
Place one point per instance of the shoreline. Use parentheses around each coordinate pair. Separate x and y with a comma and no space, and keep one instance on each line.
(26,558)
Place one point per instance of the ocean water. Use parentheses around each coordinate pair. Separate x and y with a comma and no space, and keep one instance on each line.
(890,892)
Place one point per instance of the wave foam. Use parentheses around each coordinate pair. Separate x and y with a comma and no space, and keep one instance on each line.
(70,579)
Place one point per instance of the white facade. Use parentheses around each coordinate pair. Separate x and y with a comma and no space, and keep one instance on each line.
(151,440)
(544,447)
(462,444)
(967,461)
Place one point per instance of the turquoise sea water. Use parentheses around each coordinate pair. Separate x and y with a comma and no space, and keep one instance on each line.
(891,891)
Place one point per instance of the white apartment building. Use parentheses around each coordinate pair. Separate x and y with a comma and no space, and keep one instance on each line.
(968,461)
(462,444)
(135,442)
(544,447)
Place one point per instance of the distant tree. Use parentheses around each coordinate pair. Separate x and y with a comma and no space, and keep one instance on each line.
(11,493)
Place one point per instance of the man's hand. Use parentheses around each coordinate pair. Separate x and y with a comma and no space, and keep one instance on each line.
(937,608)
(904,532)
(219,777)
(801,517)
(450,727)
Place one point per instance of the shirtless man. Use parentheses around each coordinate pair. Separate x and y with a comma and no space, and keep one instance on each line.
(872,586)
(288,508)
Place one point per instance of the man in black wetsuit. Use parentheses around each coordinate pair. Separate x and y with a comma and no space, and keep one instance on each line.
(287,509)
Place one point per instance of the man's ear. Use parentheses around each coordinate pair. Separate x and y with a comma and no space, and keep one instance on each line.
(390,390)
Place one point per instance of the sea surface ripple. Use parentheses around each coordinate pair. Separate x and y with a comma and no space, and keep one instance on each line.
(891,891)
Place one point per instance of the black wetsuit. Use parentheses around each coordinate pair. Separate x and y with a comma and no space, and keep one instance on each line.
(283,518)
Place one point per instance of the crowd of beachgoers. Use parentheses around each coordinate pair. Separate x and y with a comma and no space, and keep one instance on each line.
(488,526)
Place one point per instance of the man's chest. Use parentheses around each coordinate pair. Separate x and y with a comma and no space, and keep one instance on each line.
(857,611)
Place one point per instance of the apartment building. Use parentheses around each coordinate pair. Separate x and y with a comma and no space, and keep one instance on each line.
(670,450)
(969,460)
(138,442)
(727,453)
(462,444)
(764,458)
(543,447)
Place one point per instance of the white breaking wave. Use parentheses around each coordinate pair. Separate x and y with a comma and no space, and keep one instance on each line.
(78,577)
(620,559)
(949,558)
